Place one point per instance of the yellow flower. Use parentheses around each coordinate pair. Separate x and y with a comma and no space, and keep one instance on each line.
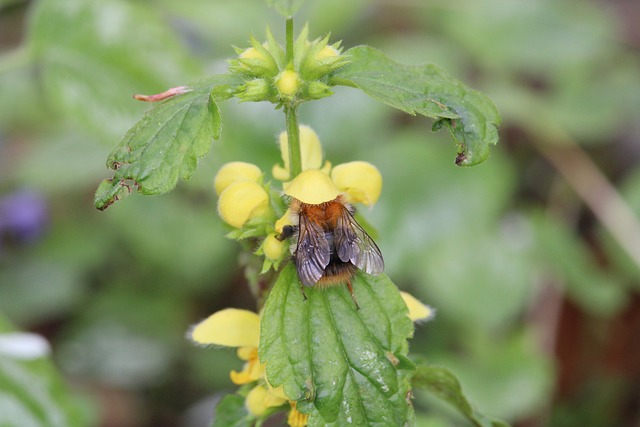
(232,327)
(310,151)
(260,399)
(312,187)
(242,201)
(360,180)
(233,172)
(418,312)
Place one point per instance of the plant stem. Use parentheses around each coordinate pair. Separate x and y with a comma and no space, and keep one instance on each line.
(289,41)
(291,115)
(293,137)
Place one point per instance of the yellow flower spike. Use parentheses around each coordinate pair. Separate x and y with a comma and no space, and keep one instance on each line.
(242,201)
(418,312)
(296,418)
(360,180)
(288,83)
(273,248)
(230,327)
(233,172)
(312,187)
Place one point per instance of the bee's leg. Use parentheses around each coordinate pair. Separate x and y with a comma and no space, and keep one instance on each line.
(353,296)
(287,231)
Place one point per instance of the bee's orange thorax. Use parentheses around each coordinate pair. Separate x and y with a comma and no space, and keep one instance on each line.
(324,214)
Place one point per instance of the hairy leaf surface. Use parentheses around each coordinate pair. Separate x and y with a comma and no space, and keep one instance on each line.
(341,364)
(470,116)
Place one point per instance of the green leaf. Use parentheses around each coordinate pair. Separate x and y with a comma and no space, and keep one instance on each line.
(444,385)
(285,8)
(340,363)
(231,412)
(470,116)
(167,142)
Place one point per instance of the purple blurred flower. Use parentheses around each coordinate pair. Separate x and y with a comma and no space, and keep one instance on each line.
(24,216)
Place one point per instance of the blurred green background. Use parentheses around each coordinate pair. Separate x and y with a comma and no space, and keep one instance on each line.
(531,259)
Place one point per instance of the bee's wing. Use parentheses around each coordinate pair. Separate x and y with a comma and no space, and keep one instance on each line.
(312,252)
(354,245)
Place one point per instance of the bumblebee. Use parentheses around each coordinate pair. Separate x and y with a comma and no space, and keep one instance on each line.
(330,246)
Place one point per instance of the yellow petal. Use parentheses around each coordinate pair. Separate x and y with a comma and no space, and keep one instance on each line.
(310,153)
(285,220)
(252,371)
(255,401)
(418,312)
(312,187)
(233,172)
(297,418)
(241,201)
(247,353)
(280,173)
(230,327)
(260,399)
(360,180)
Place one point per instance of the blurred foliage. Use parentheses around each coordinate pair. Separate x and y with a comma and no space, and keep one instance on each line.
(538,310)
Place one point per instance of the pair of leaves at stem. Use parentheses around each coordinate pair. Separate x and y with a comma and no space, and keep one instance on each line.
(168,141)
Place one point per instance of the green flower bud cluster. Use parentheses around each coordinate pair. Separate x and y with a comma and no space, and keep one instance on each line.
(269,76)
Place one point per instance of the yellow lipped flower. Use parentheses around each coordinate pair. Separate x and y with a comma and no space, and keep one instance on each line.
(234,328)
(361,181)
(260,399)
(312,187)
(234,172)
(242,201)
(310,150)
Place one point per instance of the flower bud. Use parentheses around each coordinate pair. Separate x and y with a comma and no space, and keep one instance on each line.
(273,248)
(255,90)
(288,83)
(312,187)
(255,61)
(317,90)
(242,201)
(360,180)
(233,172)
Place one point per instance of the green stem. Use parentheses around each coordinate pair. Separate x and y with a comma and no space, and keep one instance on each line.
(289,41)
(291,115)
(293,137)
